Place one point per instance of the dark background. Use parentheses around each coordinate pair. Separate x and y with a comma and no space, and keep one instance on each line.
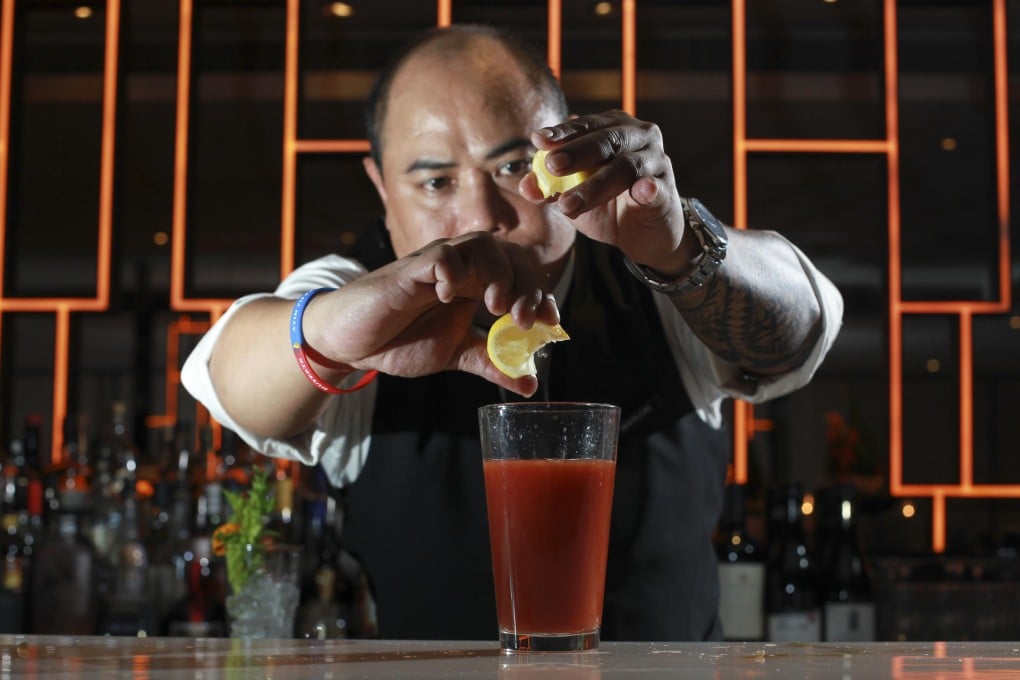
(814,71)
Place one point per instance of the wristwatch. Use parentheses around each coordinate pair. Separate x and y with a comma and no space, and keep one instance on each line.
(712,237)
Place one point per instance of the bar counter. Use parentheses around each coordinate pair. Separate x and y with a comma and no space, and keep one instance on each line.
(51,657)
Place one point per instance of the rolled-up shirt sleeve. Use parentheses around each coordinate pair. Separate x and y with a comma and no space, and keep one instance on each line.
(708,378)
(340,437)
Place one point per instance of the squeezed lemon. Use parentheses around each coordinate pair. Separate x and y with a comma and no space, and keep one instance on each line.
(512,349)
(549,183)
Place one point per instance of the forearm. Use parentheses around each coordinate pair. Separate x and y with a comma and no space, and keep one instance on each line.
(256,377)
(759,312)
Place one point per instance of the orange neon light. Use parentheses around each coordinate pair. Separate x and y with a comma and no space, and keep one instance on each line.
(817,145)
(444,13)
(965,309)
(182,326)
(290,93)
(554,48)
(212,306)
(61,306)
(628,13)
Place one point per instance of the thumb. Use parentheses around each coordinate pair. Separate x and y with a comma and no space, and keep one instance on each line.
(648,193)
(474,359)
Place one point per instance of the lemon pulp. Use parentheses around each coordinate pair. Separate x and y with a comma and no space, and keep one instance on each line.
(549,183)
(512,349)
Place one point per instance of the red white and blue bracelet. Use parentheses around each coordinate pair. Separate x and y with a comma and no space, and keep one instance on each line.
(301,351)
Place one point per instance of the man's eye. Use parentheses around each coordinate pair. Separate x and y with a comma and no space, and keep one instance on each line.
(518,167)
(436,183)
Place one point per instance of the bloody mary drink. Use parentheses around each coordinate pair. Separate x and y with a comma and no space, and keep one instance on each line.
(549,472)
(549,528)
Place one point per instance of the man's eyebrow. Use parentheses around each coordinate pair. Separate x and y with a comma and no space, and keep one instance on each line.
(508,146)
(429,164)
(504,148)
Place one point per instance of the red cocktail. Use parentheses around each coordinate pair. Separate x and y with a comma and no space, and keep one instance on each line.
(549,472)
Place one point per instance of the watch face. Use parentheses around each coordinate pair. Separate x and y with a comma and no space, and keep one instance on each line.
(713,229)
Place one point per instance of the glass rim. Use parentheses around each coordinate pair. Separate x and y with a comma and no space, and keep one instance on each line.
(549,406)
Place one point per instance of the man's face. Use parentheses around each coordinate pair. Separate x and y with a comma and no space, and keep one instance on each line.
(455,144)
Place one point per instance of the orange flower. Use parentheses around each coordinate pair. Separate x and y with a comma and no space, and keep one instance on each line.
(219,537)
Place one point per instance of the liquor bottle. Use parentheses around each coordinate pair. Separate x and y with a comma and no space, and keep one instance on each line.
(35,463)
(792,609)
(102,522)
(849,610)
(63,591)
(14,573)
(324,616)
(74,491)
(325,609)
(282,519)
(129,610)
(213,484)
(200,612)
(741,572)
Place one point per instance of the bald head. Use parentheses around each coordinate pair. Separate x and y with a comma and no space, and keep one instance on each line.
(462,47)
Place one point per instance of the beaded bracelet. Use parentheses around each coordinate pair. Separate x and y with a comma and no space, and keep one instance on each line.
(297,343)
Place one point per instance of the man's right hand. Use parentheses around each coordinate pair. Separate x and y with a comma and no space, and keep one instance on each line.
(413,317)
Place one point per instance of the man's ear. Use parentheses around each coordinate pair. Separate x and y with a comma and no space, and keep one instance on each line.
(375,174)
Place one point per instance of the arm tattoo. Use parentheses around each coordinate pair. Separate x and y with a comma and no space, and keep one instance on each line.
(765,331)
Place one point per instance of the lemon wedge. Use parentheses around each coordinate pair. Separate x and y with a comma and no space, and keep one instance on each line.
(512,349)
(549,183)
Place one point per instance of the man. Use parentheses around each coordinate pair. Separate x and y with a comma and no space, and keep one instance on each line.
(453,124)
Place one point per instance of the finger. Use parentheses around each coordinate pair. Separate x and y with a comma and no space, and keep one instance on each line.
(474,359)
(528,188)
(618,177)
(527,294)
(548,136)
(603,146)
(474,266)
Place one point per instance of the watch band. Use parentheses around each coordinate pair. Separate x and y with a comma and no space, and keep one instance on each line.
(704,266)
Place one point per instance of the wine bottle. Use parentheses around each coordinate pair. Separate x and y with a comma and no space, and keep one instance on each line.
(791,602)
(64,580)
(741,572)
(849,609)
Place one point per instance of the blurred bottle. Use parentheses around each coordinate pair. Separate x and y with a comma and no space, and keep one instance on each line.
(63,591)
(14,574)
(74,491)
(849,609)
(200,612)
(792,608)
(102,522)
(325,610)
(129,610)
(35,463)
(325,615)
(213,481)
(741,572)
(282,520)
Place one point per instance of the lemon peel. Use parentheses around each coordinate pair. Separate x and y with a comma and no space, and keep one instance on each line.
(551,184)
(512,349)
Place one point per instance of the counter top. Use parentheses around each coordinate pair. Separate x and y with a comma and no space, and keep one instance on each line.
(51,657)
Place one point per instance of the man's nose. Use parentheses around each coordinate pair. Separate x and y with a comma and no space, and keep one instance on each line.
(482,205)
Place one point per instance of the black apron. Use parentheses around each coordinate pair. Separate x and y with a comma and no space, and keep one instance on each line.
(416,515)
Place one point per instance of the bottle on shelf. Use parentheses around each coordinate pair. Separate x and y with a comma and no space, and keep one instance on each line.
(325,610)
(128,608)
(200,612)
(14,573)
(35,464)
(793,614)
(74,491)
(741,572)
(63,590)
(849,608)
